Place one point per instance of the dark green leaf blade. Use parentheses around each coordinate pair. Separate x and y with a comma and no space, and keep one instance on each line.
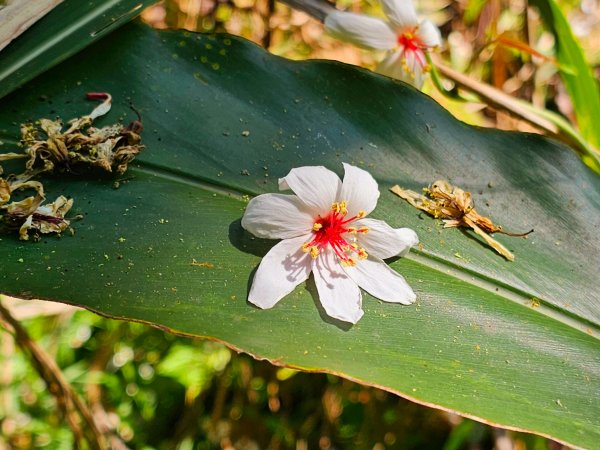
(67,29)
(222,119)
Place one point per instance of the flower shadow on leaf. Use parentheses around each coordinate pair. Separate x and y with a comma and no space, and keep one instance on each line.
(247,243)
(311,287)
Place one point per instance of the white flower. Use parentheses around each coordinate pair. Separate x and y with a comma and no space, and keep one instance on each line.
(324,230)
(405,38)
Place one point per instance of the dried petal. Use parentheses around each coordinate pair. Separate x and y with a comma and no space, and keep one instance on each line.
(4,191)
(110,148)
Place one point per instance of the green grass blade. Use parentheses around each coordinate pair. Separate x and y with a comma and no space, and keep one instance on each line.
(578,79)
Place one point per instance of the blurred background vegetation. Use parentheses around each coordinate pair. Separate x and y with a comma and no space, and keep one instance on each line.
(159,391)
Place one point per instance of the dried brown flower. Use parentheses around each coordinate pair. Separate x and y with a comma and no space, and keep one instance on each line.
(49,149)
(456,208)
(110,148)
(30,214)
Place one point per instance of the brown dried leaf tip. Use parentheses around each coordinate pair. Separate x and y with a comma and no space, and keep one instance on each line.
(49,149)
(456,208)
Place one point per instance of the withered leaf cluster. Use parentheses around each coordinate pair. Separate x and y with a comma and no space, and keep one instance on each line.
(457,209)
(47,149)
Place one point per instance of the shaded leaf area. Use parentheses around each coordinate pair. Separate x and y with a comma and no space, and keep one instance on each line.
(68,28)
(223,118)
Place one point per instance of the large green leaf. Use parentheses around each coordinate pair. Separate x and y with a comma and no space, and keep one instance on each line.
(223,118)
(68,28)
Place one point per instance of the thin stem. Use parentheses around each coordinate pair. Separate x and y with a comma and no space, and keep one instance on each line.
(550,122)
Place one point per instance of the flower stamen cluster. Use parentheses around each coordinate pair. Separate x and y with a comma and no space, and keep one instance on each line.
(330,232)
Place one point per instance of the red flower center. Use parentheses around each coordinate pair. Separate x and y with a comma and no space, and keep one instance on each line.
(333,231)
(409,41)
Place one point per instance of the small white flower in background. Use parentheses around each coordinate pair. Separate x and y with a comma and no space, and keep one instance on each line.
(324,230)
(402,34)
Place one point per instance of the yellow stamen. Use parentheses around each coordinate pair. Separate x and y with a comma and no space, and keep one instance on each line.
(348,262)
(340,208)
(314,251)
(362,254)
(317,226)
(305,247)
(361,214)
(352,230)
(363,230)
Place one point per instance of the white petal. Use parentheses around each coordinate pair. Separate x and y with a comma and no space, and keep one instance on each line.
(429,34)
(363,31)
(379,280)
(383,241)
(415,69)
(277,216)
(401,13)
(316,186)
(359,189)
(279,272)
(340,296)
(391,65)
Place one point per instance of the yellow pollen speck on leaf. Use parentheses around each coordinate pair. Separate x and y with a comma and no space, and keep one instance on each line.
(317,226)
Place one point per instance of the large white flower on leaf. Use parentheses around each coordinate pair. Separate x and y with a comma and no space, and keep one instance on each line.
(402,34)
(324,230)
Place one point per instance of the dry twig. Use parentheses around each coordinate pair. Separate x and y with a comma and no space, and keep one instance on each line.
(73,408)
